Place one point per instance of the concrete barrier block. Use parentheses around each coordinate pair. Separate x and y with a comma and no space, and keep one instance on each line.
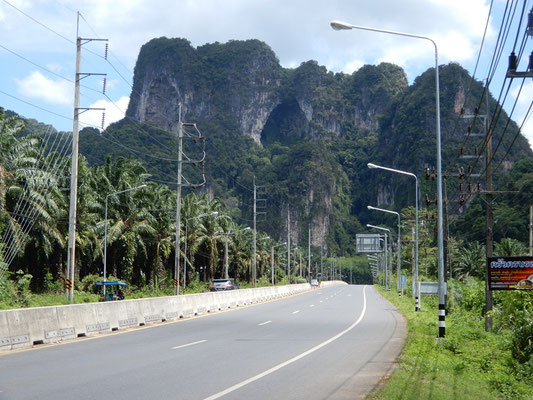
(28,326)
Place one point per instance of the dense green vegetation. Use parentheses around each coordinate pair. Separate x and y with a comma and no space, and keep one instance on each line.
(469,363)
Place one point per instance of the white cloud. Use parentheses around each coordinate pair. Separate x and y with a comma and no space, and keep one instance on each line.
(37,86)
(114,111)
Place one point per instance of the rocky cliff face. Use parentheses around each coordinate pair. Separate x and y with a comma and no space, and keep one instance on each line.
(243,81)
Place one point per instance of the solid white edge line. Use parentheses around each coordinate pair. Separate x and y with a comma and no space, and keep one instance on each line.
(264,323)
(296,312)
(188,344)
(294,359)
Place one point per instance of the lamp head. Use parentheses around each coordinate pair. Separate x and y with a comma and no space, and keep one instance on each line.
(340,26)
(370,165)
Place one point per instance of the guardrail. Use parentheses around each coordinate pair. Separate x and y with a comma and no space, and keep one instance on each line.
(27,327)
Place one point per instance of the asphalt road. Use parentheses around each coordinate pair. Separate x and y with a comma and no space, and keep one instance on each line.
(332,343)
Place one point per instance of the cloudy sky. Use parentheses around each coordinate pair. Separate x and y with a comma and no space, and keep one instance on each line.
(37,50)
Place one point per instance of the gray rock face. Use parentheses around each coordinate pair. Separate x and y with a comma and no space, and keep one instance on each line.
(242,82)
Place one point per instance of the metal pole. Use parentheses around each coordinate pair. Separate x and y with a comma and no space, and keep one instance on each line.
(337,25)
(185,255)
(178,205)
(289,244)
(254,260)
(71,253)
(272,263)
(105,243)
(417,294)
(531,230)
(226,275)
(309,256)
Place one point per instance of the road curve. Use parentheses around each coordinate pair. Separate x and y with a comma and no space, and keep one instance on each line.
(331,343)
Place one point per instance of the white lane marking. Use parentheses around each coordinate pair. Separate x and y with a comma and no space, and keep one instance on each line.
(349,295)
(294,359)
(321,301)
(296,312)
(327,298)
(188,344)
(312,305)
(264,323)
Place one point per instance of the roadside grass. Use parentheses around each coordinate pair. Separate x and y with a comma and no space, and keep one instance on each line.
(468,364)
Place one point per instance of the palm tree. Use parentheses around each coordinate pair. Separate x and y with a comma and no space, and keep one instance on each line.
(509,248)
(470,261)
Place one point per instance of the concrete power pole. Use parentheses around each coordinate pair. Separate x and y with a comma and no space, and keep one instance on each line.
(254,260)
(71,247)
(178,207)
(289,244)
(489,302)
(309,255)
(531,230)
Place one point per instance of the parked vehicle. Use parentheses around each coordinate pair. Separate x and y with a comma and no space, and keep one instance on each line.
(223,284)
(113,290)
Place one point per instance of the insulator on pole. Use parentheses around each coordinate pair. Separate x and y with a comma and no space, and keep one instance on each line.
(103,119)
(469,130)
(427,173)
(104,86)
(513,62)
(461,187)
(106,50)
(530,66)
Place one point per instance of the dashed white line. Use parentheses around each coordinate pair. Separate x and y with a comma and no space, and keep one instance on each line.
(312,305)
(296,312)
(321,301)
(264,323)
(188,344)
(292,360)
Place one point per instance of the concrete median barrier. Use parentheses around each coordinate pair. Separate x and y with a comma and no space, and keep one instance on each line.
(29,327)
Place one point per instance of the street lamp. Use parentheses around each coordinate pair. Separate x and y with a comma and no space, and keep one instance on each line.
(272,259)
(185,253)
(386,249)
(398,268)
(105,226)
(226,234)
(338,25)
(370,165)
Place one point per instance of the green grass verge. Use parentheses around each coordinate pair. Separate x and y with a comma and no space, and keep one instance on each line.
(468,364)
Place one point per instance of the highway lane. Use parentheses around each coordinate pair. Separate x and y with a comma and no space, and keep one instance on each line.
(330,343)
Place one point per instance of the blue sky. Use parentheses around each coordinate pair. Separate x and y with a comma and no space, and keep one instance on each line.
(297,31)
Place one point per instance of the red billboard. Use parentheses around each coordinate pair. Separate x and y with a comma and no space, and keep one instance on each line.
(510,273)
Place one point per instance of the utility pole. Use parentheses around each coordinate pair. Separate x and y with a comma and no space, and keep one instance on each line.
(178,206)
(309,255)
(254,260)
(272,263)
(196,136)
(289,243)
(71,248)
(226,264)
(531,229)
(489,301)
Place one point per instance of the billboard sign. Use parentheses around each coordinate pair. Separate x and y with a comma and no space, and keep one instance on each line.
(368,243)
(510,273)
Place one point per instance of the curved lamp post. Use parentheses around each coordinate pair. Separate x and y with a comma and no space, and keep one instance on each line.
(226,234)
(105,225)
(398,267)
(185,253)
(272,259)
(370,165)
(386,249)
(339,25)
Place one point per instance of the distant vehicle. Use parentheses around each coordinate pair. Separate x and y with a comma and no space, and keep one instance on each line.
(314,282)
(223,284)
(113,290)
(319,279)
